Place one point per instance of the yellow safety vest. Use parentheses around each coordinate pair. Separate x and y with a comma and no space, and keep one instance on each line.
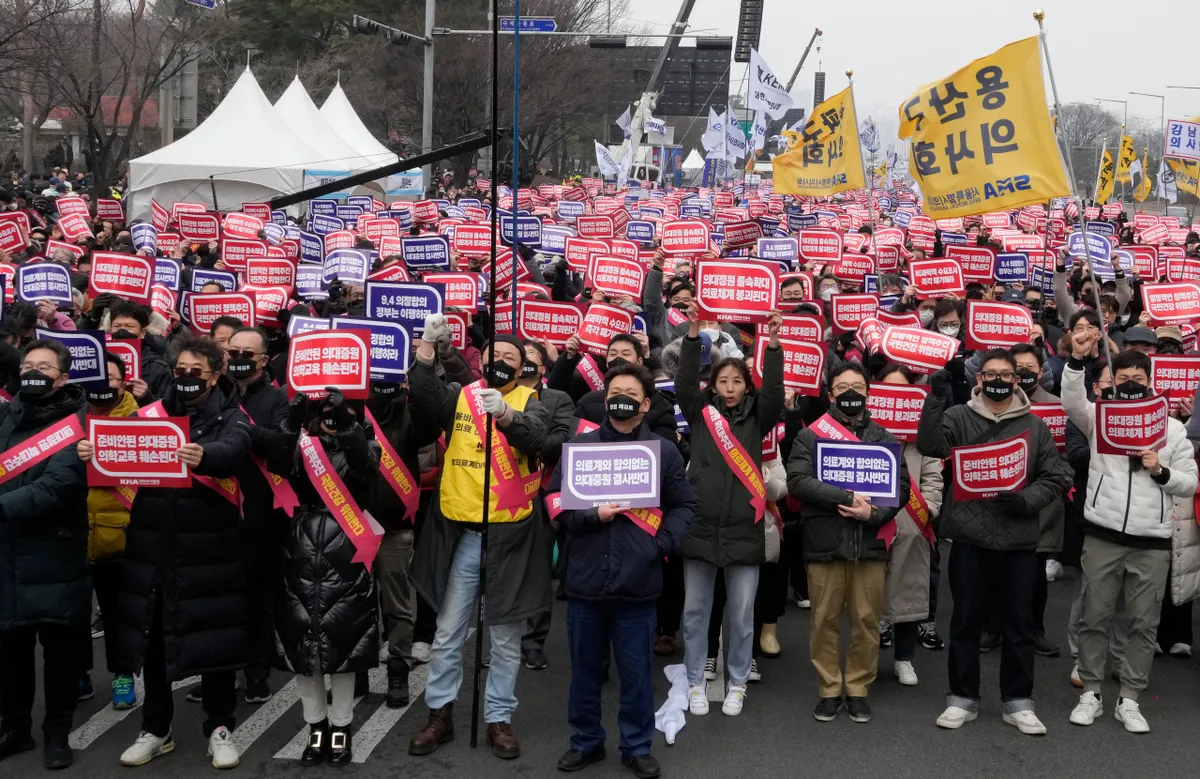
(461,488)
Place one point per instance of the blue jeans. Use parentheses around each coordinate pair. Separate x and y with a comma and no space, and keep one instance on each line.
(741,583)
(592,627)
(454,619)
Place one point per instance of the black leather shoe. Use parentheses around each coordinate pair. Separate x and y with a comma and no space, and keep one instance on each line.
(339,745)
(56,753)
(397,694)
(317,751)
(643,766)
(14,742)
(574,760)
(362,685)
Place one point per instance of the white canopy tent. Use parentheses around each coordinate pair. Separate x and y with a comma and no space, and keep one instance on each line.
(341,116)
(693,168)
(248,150)
(301,114)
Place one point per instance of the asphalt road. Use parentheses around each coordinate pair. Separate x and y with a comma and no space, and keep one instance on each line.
(775,735)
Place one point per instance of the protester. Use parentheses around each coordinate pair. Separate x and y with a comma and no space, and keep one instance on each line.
(612,580)
(46,593)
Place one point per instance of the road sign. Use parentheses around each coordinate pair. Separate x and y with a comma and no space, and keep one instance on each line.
(529,24)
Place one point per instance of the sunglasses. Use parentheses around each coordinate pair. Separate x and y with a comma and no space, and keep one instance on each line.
(197,372)
(239,354)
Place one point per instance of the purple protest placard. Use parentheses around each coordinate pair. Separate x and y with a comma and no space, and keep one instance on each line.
(870,470)
(599,473)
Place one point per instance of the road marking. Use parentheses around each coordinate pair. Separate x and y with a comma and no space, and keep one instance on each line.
(107,717)
(295,747)
(384,719)
(265,716)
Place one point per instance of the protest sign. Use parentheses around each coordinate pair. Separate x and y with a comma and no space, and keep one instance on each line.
(426,252)
(922,351)
(44,281)
(87,352)
(473,240)
(854,268)
(203,308)
(264,272)
(595,474)
(846,312)
(236,252)
(685,236)
(579,252)
(225,279)
(74,227)
(199,227)
(616,276)
(310,283)
(982,471)
(992,324)
(784,249)
(897,407)
(797,327)
(887,259)
(1145,261)
(528,228)
(977,263)
(406,303)
(595,226)
(163,301)
(242,226)
(600,324)
(130,352)
(1011,268)
(460,289)
(868,469)
(737,234)
(268,302)
(169,273)
(819,246)
(1055,417)
(1172,304)
(322,359)
(391,346)
(137,452)
(803,365)
(14,232)
(735,291)
(642,232)
(539,320)
(71,205)
(1175,375)
(936,278)
(869,335)
(1130,427)
(126,275)
(349,266)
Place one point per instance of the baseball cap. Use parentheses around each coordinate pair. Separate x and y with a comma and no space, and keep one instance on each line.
(706,341)
(1012,296)
(1169,331)
(1140,335)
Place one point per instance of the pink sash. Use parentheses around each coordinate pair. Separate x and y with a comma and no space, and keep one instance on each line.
(358,525)
(590,371)
(737,459)
(395,472)
(513,492)
(281,488)
(32,451)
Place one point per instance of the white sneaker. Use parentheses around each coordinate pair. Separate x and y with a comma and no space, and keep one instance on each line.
(804,603)
(420,653)
(734,699)
(1180,650)
(954,717)
(698,699)
(710,669)
(755,674)
(1054,570)
(1089,707)
(1128,713)
(906,673)
(1027,722)
(147,747)
(1075,680)
(222,750)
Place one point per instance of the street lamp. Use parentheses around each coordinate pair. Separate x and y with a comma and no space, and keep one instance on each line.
(1122,102)
(1162,124)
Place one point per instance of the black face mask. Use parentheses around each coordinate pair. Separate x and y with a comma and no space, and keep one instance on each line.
(1028,381)
(500,374)
(1130,390)
(123,333)
(34,384)
(679,306)
(850,402)
(189,389)
(615,362)
(1039,343)
(102,398)
(386,389)
(241,368)
(528,370)
(622,407)
(997,389)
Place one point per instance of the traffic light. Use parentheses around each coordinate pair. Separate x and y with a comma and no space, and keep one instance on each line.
(364,25)
(818,88)
(749,28)
(606,42)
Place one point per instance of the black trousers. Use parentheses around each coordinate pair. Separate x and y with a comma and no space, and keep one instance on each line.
(905,640)
(670,601)
(106,580)
(61,666)
(218,689)
(935,579)
(262,551)
(1041,593)
(425,625)
(1000,584)
(1175,622)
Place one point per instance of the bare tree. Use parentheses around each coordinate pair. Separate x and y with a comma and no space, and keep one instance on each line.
(1082,132)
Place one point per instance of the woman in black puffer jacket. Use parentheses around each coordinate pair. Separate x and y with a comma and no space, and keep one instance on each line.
(325,608)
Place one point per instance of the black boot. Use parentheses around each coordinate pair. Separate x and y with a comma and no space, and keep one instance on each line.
(362,684)
(56,752)
(14,742)
(397,694)
(317,751)
(339,745)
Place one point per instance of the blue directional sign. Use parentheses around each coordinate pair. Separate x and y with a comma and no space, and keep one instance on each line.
(529,24)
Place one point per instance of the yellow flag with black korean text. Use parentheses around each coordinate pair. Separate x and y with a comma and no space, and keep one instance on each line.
(1105,178)
(981,138)
(828,158)
(1187,175)
(881,171)
(1143,188)
(1125,158)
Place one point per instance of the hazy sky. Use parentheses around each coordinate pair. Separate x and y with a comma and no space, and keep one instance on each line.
(895,47)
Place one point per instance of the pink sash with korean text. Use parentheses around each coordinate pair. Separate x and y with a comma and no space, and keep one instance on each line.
(510,488)
(42,446)
(396,473)
(738,460)
(362,530)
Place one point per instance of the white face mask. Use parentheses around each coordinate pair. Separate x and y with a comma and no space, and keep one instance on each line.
(948,329)
(828,292)
(926,315)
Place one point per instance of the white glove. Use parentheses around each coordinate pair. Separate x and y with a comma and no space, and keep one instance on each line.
(437,330)
(493,401)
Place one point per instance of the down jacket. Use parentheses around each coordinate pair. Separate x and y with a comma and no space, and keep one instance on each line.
(43,522)
(981,522)
(1126,505)
(107,516)
(325,615)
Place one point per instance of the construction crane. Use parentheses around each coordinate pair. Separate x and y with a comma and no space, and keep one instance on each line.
(792,81)
(649,98)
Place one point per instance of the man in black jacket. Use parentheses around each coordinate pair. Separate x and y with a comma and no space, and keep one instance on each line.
(263,526)
(130,320)
(847,561)
(46,593)
(993,561)
(612,581)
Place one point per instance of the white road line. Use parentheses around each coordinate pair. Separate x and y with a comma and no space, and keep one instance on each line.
(107,717)
(295,747)
(265,716)
(384,719)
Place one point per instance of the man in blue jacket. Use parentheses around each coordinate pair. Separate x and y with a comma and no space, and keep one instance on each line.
(612,581)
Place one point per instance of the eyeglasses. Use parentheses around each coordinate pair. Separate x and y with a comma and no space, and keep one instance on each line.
(240,354)
(196,372)
(993,375)
(838,389)
(41,367)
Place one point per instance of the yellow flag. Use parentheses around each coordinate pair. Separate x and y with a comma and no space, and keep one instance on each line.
(828,158)
(1143,188)
(1187,175)
(1125,158)
(1105,179)
(881,171)
(982,139)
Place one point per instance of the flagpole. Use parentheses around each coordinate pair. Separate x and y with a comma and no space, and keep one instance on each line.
(862,165)
(1040,16)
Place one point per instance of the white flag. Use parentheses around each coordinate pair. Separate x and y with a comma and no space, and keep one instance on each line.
(1135,169)
(625,120)
(760,130)
(735,139)
(766,93)
(1166,183)
(626,162)
(605,162)
(869,135)
(714,137)
(656,125)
